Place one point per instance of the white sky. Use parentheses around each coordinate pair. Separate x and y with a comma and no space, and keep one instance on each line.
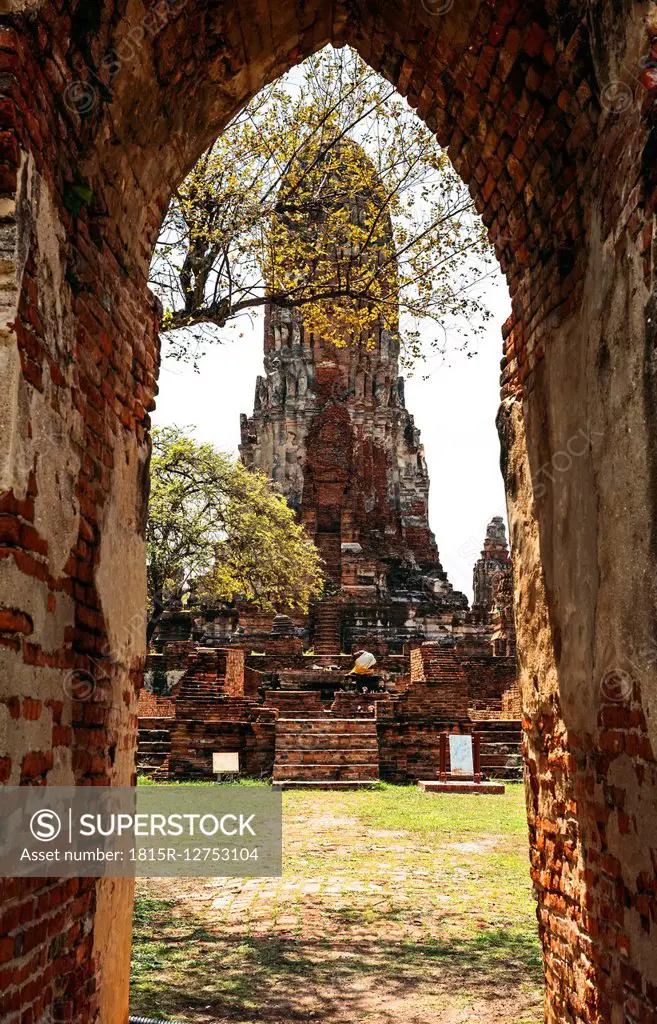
(454,408)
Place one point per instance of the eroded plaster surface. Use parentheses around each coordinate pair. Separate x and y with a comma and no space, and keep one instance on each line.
(121,571)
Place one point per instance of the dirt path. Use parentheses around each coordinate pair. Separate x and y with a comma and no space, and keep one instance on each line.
(366,926)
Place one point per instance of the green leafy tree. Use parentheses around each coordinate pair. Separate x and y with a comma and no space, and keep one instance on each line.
(220,529)
(328,194)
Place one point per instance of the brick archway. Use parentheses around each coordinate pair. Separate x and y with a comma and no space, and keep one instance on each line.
(547,110)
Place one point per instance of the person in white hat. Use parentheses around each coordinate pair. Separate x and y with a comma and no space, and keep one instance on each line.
(364,664)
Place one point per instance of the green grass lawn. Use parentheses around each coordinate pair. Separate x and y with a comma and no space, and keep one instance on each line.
(394,905)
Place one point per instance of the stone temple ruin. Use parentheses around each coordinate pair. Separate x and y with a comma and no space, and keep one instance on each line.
(275,691)
(331,429)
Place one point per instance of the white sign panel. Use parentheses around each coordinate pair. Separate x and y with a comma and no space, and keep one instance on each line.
(460,755)
(225,762)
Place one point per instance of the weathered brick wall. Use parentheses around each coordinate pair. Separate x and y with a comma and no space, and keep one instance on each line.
(273,660)
(409,751)
(409,747)
(209,663)
(151,705)
(432,661)
(33,908)
(454,678)
(353,705)
(79,355)
(193,743)
(234,680)
(175,654)
(486,711)
(448,685)
(295,703)
(512,702)
(439,683)
(526,97)
(489,679)
(448,699)
(282,646)
(409,726)
(253,680)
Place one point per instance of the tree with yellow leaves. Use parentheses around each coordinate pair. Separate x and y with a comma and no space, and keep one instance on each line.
(328,195)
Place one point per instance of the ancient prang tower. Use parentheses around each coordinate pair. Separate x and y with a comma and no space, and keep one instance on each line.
(330,428)
(493,565)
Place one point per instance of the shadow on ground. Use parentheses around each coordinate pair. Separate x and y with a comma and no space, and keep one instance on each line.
(186,968)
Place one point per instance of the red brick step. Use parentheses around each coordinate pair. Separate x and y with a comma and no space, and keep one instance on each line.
(325,750)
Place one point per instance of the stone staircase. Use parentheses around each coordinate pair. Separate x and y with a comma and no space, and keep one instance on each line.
(330,548)
(198,699)
(326,633)
(154,746)
(202,686)
(295,703)
(501,749)
(329,753)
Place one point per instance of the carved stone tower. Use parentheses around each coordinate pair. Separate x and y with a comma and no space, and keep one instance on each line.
(331,429)
(494,562)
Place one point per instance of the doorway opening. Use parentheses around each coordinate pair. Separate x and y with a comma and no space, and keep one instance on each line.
(277,687)
(549,119)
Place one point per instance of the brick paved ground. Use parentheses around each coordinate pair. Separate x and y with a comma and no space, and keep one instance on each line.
(393,906)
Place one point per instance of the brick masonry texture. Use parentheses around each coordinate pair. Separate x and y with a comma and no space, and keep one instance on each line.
(547,110)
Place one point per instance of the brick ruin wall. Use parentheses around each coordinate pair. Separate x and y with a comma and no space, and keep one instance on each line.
(491,684)
(234,682)
(152,705)
(564,177)
(194,742)
(439,684)
(440,697)
(178,732)
(512,702)
(409,747)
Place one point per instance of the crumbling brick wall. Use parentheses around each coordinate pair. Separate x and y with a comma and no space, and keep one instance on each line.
(151,705)
(234,679)
(512,702)
(439,683)
(526,98)
(489,679)
(193,743)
